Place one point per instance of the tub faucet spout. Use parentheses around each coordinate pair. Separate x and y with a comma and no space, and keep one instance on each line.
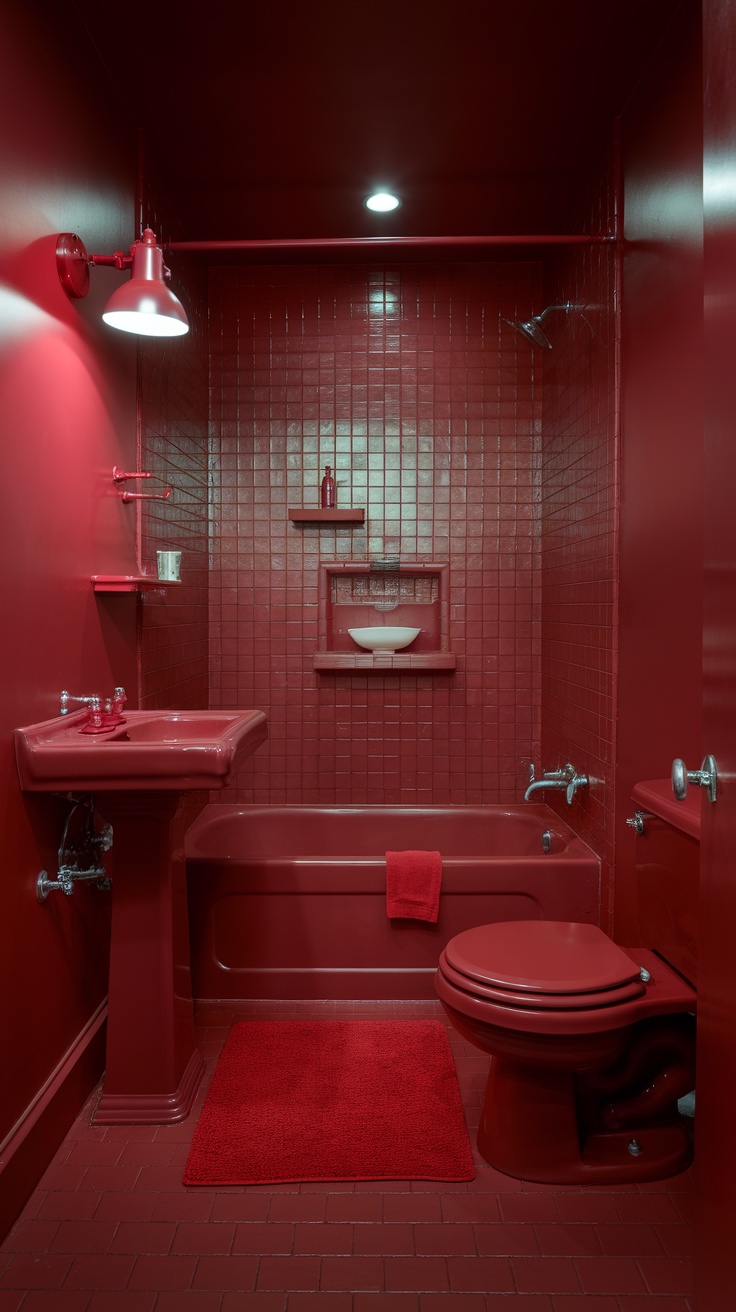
(544,783)
(565,777)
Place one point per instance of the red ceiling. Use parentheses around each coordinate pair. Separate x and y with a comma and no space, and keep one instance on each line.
(275,120)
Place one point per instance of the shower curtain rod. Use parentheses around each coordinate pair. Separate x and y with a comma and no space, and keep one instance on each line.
(377,243)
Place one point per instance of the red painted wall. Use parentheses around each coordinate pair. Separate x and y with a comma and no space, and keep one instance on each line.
(661,541)
(67,388)
(407,382)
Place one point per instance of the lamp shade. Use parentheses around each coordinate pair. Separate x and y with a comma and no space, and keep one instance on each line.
(144,305)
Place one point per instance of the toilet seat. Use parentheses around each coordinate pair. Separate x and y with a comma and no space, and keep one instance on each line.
(541,1001)
(542,965)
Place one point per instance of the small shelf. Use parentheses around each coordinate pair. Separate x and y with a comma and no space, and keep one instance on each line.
(373,663)
(300,514)
(130,583)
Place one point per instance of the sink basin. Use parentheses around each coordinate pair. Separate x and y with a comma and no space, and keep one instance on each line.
(160,750)
(386,637)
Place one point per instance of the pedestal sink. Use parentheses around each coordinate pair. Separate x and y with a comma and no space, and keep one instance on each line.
(138,772)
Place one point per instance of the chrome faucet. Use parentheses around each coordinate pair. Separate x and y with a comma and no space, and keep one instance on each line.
(565,777)
(103,715)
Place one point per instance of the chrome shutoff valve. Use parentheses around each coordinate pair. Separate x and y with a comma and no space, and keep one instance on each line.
(636,822)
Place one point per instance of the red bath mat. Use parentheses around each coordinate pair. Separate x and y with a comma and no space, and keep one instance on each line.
(332,1100)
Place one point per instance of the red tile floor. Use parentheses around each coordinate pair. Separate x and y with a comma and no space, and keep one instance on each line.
(111,1228)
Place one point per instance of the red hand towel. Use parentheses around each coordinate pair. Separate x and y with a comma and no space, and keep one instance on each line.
(413,884)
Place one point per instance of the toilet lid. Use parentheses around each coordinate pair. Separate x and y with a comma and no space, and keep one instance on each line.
(534,1001)
(541,956)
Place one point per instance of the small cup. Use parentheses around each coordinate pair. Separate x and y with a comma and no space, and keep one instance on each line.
(169,566)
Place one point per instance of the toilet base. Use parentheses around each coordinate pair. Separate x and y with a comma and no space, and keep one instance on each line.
(529,1130)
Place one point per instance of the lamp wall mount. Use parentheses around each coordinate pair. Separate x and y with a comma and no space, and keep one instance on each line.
(73,262)
(143,305)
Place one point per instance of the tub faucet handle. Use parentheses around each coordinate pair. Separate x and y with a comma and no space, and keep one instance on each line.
(575,781)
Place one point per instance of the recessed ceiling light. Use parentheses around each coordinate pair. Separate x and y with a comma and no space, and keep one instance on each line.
(382,202)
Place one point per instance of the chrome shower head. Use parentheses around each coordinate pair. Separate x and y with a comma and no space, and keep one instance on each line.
(532,328)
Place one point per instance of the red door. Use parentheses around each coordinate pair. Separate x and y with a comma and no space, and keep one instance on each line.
(715,1232)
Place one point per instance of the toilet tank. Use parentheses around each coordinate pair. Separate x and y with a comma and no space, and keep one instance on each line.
(668,873)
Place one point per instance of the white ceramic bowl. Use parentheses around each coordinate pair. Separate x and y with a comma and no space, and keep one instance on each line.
(386,638)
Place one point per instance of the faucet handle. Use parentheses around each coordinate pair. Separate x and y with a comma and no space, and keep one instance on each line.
(114,707)
(94,723)
(577,781)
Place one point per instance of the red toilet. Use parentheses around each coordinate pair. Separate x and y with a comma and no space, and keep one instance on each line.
(591,1044)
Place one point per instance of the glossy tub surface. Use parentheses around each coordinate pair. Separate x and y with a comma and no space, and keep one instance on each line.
(289,901)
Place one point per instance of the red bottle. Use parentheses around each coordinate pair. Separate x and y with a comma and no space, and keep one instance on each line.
(328,490)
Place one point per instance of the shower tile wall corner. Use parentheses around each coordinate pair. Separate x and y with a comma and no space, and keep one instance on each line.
(172,388)
(406,380)
(579,530)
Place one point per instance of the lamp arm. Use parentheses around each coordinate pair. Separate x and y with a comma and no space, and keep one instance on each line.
(118,260)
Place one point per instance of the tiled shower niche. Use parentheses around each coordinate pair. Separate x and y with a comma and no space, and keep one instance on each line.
(375,593)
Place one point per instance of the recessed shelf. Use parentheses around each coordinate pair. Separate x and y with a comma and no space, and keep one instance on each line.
(320,516)
(373,663)
(130,583)
(359,594)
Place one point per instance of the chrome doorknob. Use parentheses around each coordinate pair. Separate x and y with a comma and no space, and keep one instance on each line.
(706,777)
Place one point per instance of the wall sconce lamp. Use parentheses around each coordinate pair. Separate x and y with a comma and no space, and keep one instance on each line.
(144,304)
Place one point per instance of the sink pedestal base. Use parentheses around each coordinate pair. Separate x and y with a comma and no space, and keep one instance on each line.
(153,1065)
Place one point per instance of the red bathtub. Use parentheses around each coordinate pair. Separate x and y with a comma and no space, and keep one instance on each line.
(290,901)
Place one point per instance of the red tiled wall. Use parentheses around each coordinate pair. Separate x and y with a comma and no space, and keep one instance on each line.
(172,399)
(579,531)
(406,380)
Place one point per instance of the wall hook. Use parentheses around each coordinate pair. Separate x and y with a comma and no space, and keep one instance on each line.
(120,476)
